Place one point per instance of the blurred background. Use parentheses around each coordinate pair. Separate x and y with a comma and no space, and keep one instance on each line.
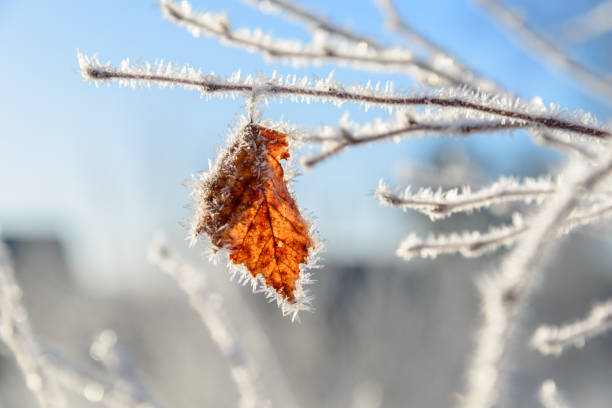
(88,175)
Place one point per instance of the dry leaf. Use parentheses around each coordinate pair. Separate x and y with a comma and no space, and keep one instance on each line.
(244,205)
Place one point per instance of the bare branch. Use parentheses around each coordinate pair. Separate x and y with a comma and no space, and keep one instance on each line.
(341,49)
(550,52)
(16,333)
(91,388)
(314,21)
(473,243)
(505,293)
(348,135)
(469,243)
(555,339)
(207,305)
(165,75)
(441,204)
(109,353)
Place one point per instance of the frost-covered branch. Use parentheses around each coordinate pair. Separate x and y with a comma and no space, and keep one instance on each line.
(468,244)
(106,350)
(93,389)
(439,204)
(474,243)
(505,293)
(16,333)
(348,134)
(555,339)
(304,90)
(314,21)
(47,375)
(322,48)
(547,50)
(207,305)
(550,397)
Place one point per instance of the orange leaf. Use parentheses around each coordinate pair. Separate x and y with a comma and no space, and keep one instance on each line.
(244,206)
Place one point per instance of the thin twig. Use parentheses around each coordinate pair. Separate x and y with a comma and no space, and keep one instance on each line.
(555,339)
(440,204)
(207,305)
(16,333)
(109,353)
(347,138)
(506,292)
(315,21)
(474,243)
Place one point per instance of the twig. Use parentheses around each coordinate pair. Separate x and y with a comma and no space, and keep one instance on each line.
(108,352)
(469,244)
(441,204)
(505,293)
(321,49)
(474,243)
(547,50)
(206,304)
(555,339)
(338,141)
(16,332)
(91,388)
(329,90)
(315,21)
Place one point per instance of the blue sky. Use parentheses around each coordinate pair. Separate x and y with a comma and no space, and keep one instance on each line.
(103,167)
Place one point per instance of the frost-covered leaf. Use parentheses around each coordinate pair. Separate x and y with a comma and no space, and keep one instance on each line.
(244,206)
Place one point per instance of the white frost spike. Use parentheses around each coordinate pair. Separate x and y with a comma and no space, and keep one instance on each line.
(555,339)
(439,204)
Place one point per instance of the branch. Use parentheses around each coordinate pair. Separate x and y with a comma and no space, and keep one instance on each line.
(441,204)
(91,388)
(109,353)
(545,49)
(323,48)
(204,302)
(315,21)
(505,293)
(165,75)
(555,339)
(348,134)
(16,333)
(473,243)
(469,244)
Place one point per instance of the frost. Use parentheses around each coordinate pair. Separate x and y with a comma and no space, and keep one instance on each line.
(440,204)
(555,339)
